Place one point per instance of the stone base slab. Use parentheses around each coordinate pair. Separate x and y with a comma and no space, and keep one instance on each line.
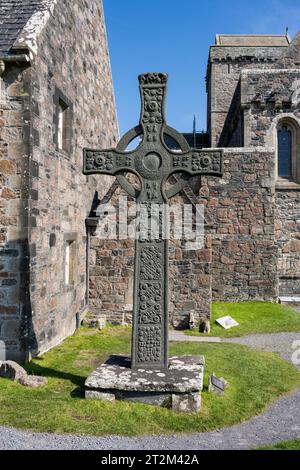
(178,387)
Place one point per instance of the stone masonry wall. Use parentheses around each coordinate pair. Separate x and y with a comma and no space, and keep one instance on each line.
(71,63)
(112,270)
(14,194)
(240,209)
(225,66)
(266,97)
(269,97)
(287,234)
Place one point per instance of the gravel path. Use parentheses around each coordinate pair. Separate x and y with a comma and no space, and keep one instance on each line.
(281,421)
(179,336)
(282,343)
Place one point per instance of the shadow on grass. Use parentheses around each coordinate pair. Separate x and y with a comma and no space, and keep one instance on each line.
(78,392)
(36,369)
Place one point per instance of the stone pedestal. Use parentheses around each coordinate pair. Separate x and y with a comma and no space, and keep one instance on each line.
(178,387)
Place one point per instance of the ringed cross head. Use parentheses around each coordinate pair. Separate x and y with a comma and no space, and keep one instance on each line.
(153,163)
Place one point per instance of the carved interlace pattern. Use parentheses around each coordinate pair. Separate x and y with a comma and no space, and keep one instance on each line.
(151,263)
(153,190)
(149,344)
(181,161)
(206,161)
(150,296)
(199,162)
(152,114)
(151,222)
(153,79)
(124,160)
(99,161)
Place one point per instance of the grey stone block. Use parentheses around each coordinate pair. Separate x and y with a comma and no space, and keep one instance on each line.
(33,381)
(96,395)
(186,402)
(183,375)
(11,370)
(177,387)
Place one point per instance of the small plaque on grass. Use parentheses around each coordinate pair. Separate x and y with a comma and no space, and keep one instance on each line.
(227,322)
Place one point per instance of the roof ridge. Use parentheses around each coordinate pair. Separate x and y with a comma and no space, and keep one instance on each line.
(257,40)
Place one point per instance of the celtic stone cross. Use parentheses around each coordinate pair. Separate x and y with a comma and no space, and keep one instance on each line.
(153,163)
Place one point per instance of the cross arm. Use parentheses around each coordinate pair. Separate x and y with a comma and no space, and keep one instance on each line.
(199,162)
(106,162)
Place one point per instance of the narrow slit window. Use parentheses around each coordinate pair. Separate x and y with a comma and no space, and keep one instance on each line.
(69,263)
(284,152)
(62,125)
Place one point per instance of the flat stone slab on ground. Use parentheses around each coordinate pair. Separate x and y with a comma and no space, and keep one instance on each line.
(33,381)
(177,387)
(184,375)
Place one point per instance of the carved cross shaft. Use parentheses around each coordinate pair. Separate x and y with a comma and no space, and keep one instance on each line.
(153,163)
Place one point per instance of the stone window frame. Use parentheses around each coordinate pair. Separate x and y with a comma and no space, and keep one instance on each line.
(293,126)
(61,100)
(71,239)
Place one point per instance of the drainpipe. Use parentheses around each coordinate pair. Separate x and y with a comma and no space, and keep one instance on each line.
(87,260)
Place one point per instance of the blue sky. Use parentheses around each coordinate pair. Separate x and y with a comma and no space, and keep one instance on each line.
(174,36)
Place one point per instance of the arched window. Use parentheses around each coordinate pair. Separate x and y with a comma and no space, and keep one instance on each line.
(285,151)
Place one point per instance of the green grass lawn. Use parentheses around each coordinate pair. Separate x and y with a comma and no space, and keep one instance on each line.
(286,445)
(253,317)
(255,380)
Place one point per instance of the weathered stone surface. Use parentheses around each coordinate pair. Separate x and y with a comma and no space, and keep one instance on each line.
(251,90)
(54,197)
(95,395)
(224,70)
(179,387)
(192,320)
(252,248)
(287,238)
(153,164)
(111,285)
(188,403)
(204,326)
(33,381)
(245,252)
(185,374)
(11,370)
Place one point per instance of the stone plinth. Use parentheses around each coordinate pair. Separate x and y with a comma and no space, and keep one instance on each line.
(178,387)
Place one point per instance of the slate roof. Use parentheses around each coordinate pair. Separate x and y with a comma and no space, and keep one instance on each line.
(14,15)
(256,40)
